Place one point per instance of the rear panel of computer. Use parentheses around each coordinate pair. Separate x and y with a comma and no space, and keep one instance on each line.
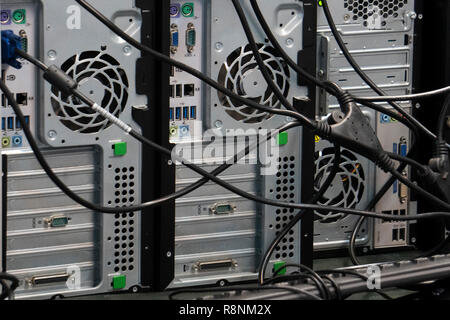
(220,237)
(380,36)
(53,245)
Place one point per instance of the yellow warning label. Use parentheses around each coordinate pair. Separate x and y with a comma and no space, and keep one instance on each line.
(317,138)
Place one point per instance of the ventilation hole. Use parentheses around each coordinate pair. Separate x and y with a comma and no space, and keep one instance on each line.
(233,74)
(286,190)
(85,67)
(369,9)
(123,240)
(348,186)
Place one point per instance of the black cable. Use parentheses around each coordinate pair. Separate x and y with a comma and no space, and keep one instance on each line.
(259,60)
(320,283)
(443,118)
(262,21)
(161,57)
(420,191)
(198,74)
(32,59)
(413,163)
(294,221)
(8,289)
(363,75)
(337,289)
(202,172)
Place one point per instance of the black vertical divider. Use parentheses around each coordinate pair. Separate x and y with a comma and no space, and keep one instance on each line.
(431,71)
(307,61)
(4,210)
(158,177)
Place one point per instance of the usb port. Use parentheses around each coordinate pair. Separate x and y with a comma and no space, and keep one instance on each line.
(3,100)
(193,112)
(189,90)
(171,114)
(27,120)
(178,91)
(395,235)
(172,71)
(18,124)
(3,123)
(402,235)
(172,91)
(10,123)
(178,113)
(186,113)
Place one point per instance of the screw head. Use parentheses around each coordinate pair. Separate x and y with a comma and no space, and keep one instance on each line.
(127,50)
(52,134)
(52,54)
(218,124)
(169,254)
(218,46)
(289,42)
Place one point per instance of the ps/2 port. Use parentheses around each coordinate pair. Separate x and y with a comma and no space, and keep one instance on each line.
(19,16)
(187,10)
(5,17)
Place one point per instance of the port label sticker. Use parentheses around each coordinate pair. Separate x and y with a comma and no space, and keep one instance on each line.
(74,20)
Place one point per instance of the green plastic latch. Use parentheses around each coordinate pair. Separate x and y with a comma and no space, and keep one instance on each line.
(283,138)
(280,265)
(119,282)
(120,149)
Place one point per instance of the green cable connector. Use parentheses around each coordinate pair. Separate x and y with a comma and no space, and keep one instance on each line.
(119,282)
(280,265)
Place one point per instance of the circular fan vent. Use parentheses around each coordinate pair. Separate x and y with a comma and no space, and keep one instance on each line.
(240,73)
(347,188)
(374,8)
(105,83)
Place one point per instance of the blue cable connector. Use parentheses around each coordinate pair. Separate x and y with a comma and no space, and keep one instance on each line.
(11,42)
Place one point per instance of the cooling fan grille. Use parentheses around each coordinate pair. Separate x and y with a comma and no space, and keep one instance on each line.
(107,84)
(348,187)
(365,9)
(240,73)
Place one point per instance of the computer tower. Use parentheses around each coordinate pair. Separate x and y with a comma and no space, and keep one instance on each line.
(220,237)
(381,37)
(53,245)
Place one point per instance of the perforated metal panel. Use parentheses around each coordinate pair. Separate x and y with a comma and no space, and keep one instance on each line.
(365,9)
